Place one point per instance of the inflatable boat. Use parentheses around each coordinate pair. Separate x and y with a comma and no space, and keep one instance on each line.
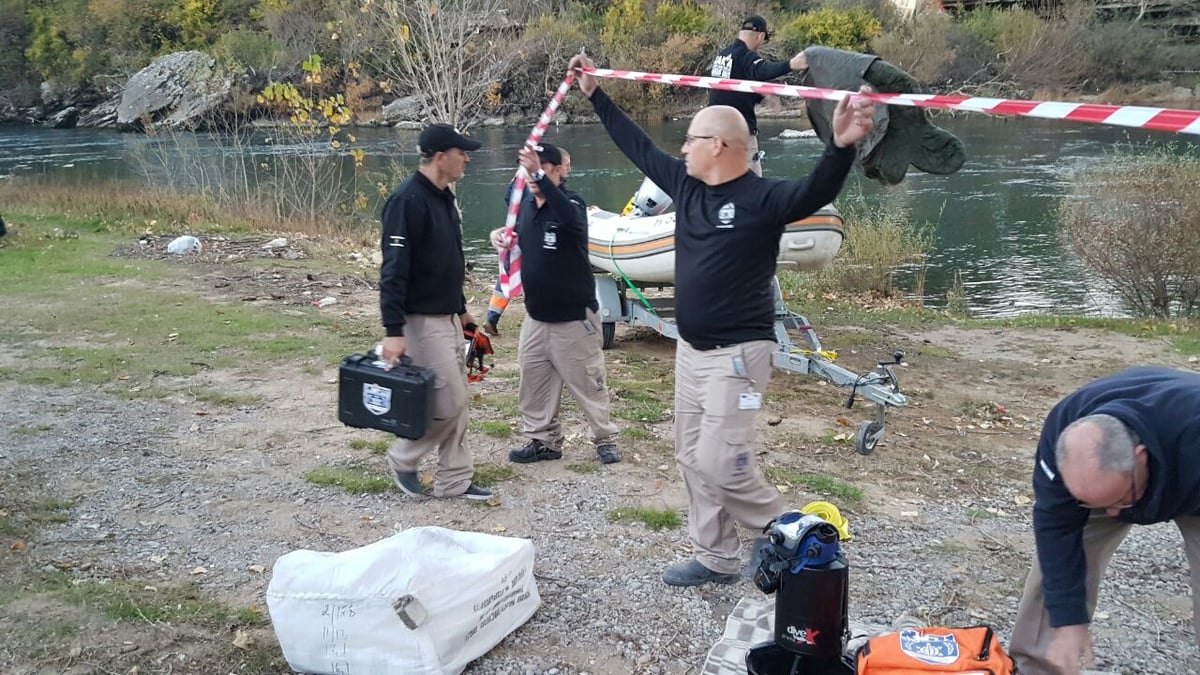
(643,248)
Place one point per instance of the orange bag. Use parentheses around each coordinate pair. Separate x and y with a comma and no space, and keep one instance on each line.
(915,651)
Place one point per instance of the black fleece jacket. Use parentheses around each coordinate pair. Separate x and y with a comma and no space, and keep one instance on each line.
(1162,408)
(423,264)
(726,236)
(556,274)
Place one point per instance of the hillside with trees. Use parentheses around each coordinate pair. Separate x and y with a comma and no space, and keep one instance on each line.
(464,60)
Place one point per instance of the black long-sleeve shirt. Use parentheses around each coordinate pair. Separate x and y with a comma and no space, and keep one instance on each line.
(555,271)
(1161,407)
(423,264)
(726,236)
(739,62)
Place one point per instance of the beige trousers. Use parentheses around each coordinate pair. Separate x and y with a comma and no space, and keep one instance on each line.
(717,397)
(755,163)
(436,342)
(1101,537)
(564,353)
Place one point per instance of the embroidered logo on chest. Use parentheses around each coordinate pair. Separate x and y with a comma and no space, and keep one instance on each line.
(726,214)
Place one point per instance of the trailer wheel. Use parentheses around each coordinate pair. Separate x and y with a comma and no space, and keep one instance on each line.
(609,331)
(867,437)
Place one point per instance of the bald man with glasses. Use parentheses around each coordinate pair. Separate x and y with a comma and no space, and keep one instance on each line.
(728,223)
(1123,450)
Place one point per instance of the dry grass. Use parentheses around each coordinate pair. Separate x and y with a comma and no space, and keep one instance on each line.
(1134,221)
(125,206)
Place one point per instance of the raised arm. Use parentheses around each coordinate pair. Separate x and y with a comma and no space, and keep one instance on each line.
(666,171)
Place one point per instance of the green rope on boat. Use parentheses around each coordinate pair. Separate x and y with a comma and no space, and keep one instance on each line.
(628,281)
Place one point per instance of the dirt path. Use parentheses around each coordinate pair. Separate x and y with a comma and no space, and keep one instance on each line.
(175,499)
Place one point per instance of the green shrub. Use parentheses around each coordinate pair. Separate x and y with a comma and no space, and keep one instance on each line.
(250,49)
(683,18)
(1038,51)
(850,30)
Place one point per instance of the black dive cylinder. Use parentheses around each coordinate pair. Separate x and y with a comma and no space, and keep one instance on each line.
(802,564)
(811,610)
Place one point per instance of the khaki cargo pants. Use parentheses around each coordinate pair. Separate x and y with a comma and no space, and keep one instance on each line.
(718,394)
(1101,537)
(563,353)
(436,342)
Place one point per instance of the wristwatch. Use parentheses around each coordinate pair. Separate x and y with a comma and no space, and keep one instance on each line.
(538,175)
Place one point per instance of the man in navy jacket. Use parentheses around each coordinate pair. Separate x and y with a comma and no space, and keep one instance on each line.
(1123,450)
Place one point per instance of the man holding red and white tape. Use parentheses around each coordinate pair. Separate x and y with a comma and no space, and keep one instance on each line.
(727,228)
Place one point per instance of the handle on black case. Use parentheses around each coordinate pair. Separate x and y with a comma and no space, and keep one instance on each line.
(376,354)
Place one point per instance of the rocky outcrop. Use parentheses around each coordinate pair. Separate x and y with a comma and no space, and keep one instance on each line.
(65,118)
(103,115)
(184,90)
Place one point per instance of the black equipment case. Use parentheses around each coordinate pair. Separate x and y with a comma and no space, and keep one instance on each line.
(399,401)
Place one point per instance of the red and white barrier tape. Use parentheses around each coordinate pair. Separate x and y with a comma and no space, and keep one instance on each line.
(1141,117)
(510,260)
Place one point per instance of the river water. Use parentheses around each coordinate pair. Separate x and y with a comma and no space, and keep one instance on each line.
(994,220)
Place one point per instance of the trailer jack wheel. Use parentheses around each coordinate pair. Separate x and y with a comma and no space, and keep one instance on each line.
(609,331)
(867,437)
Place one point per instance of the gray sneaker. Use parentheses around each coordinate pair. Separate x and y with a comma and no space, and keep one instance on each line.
(693,573)
(410,484)
(608,453)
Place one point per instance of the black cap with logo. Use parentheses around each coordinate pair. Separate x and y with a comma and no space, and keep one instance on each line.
(550,154)
(757,24)
(442,137)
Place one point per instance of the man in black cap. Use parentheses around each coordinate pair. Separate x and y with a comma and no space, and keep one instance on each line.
(740,60)
(424,310)
(561,340)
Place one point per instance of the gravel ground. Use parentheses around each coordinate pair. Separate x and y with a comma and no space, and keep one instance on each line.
(163,493)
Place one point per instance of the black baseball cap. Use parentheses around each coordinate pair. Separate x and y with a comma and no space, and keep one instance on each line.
(550,154)
(757,24)
(442,137)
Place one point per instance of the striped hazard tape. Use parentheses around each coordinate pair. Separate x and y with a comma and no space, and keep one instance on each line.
(1140,117)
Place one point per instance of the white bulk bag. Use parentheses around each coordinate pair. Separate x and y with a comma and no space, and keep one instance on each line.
(426,601)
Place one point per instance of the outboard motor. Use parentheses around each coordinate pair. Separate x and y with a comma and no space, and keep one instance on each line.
(649,200)
(802,564)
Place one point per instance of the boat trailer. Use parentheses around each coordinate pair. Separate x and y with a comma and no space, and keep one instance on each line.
(879,386)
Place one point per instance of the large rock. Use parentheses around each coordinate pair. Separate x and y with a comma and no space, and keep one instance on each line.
(184,90)
(404,109)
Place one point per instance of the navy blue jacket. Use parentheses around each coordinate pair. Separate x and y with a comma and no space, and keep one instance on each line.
(1162,408)
(737,61)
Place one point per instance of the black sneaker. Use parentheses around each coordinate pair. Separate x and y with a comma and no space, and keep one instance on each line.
(608,453)
(476,492)
(410,484)
(534,451)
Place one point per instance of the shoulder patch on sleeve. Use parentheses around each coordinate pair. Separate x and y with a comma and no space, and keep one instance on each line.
(1046,469)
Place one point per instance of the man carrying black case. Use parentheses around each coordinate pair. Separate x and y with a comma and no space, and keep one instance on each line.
(424,310)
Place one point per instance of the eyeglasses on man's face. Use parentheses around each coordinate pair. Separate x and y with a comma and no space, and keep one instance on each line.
(688,139)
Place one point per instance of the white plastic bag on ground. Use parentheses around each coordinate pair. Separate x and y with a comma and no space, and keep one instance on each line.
(350,613)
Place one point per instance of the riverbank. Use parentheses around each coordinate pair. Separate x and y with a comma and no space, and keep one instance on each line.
(172,431)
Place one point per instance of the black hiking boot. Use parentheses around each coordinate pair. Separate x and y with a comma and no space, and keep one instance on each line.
(534,451)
